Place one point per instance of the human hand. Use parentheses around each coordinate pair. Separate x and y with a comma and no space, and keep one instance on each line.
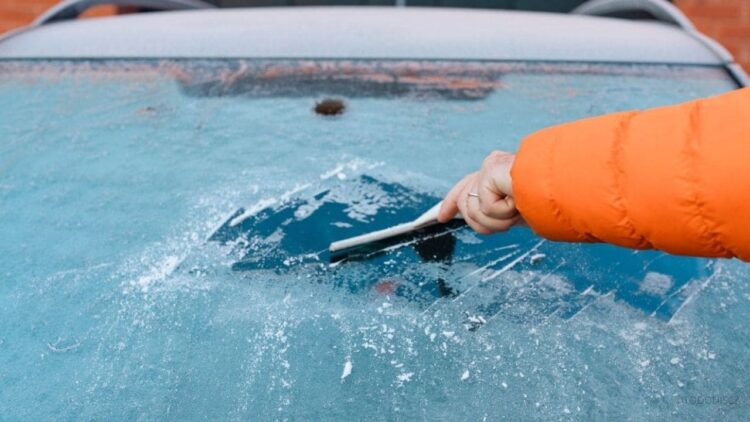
(484,198)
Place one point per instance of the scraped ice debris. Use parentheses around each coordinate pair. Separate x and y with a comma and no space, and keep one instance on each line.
(353,165)
(707,354)
(383,307)
(295,190)
(327,175)
(478,319)
(158,272)
(276,236)
(674,360)
(57,348)
(473,324)
(370,345)
(465,375)
(347,369)
(533,259)
(306,210)
(251,211)
(656,284)
(405,376)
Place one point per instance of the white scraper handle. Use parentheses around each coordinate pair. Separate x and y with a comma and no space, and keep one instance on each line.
(427,219)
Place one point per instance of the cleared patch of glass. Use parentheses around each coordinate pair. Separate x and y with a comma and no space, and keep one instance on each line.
(449,261)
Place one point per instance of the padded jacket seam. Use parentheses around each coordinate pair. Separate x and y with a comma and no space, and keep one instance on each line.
(692,144)
(619,175)
(557,209)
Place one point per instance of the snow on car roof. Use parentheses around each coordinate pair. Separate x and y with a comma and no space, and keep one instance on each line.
(363,32)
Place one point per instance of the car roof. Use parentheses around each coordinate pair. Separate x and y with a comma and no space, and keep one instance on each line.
(364,33)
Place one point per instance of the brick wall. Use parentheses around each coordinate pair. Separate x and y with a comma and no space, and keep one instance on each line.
(16,13)
(727,21)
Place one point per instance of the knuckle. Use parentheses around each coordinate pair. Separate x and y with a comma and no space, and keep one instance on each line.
(494,156)
(501,206)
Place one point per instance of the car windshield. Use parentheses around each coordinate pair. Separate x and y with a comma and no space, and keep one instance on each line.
(163,248)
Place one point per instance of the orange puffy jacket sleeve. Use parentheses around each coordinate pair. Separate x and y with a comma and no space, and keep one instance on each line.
(673,178)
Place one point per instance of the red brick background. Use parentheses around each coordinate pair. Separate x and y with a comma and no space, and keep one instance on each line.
(727,21)
(15,13)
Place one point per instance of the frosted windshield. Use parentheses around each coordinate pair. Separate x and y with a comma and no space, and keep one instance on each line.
(162,236)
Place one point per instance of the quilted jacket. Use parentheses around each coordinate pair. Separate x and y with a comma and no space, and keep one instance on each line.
(673,178)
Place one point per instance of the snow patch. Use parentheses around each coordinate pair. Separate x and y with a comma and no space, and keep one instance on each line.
(347,369)
(405,376)
(656,284)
